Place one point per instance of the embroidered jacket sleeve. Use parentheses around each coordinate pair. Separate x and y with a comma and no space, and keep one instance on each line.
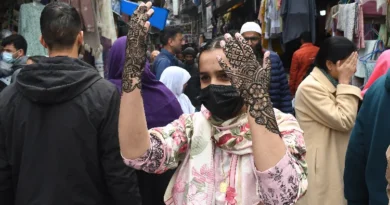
(168,146)
(287,181)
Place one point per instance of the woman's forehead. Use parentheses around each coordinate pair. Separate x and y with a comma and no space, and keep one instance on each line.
(208,60)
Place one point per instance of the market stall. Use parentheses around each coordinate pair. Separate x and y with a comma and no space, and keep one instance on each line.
(23,17)
(368,27)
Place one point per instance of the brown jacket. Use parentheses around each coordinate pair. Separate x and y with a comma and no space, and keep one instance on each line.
(327,115)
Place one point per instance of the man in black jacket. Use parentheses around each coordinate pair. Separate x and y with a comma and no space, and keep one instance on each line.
(59,127)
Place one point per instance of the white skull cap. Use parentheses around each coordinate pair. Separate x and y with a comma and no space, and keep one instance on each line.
(250,27)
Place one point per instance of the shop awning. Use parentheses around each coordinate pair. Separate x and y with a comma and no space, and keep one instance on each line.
(227,7)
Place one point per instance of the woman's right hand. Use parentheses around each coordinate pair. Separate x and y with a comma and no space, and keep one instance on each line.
(136,47)
(133,132)
(347,69)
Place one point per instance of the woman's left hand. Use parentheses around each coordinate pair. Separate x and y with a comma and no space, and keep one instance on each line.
(250,78)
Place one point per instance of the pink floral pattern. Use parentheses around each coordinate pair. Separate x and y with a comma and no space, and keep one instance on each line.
(204,175)
(196,196)
(282,184)
(231,196)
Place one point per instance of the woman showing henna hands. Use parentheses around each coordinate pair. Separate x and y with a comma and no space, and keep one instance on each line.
(237,150)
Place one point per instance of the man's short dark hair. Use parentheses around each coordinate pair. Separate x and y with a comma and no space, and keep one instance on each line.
(60,25)
(167,33)
(17,40)
(306,37)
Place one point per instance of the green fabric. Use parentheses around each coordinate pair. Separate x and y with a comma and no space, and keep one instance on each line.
(330,78)
(365,164)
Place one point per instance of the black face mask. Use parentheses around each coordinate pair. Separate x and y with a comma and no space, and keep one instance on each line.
(223,101)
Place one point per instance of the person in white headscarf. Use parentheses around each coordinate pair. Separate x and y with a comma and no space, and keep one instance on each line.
(176,78)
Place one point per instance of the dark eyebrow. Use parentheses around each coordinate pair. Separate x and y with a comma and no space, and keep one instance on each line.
(220,72)
(216,72)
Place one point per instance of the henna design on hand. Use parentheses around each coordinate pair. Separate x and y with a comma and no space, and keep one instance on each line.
(135,50)
(251,79)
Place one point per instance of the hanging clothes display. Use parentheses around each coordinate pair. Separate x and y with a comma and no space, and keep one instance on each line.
(272,25)
(106,21)
(29,27)
(87,11)
(360,30)
(116,6)
(368,61)
(272,19)
(298,17)
(388,17)
(374,7)
(331,22)
(383,36)
(361,64)
(227,18)
(347,20)
(92,38)
(261,18)
(261,15)
(175,7)
(99,65)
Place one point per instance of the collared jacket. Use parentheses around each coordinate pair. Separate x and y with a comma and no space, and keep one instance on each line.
(301,62)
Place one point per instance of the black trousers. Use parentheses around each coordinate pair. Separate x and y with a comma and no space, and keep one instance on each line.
(152,186)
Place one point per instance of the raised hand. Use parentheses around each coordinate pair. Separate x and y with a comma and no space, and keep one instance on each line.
(347,69)
(136,48)
(250,78)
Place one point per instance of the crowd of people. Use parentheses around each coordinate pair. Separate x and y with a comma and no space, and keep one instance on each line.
(218,124)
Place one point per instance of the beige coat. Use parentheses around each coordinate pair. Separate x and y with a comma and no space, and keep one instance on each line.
(327,115)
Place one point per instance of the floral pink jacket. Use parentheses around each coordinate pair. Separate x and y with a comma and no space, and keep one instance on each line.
(283,184)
